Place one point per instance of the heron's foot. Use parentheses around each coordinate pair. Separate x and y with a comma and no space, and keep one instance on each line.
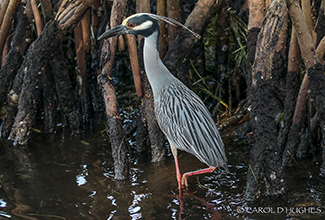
(197,172)
(184,180)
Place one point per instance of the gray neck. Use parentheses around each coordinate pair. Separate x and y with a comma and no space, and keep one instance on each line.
(157,73)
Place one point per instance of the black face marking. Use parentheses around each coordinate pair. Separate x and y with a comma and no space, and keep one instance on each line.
(140,19)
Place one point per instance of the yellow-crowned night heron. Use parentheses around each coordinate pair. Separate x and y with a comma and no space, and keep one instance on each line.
(180,113)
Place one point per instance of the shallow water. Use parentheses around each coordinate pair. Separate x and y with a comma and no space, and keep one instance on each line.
(56,178)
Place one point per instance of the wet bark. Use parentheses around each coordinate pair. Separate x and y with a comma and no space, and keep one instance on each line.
(320,27)
(3,9)
(31,71)
(317,82)
(49,100)
(86,28)
(6,23)
(6,49)
(320,31)
(297,121)
(157,140)
(117,13)
(27,82)
(95,12)
(15,55)
(251,48)
(292,88)
(156,137)
(10,113)
(137,126)
(68,16)
(265,157)
(71,12)
(314,68)
(301,106)
(47,10)
(64,90)
(82,73)
(134,59)
(116,133)
(256,15)
(37,17)
(87,46)
(142,139)
(306,9)
(97,58)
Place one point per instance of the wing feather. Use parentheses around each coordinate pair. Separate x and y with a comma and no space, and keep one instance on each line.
(188,125)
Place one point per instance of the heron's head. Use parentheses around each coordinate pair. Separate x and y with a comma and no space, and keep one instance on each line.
(137,24)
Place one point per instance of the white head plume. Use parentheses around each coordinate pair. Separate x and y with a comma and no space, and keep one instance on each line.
(174,23)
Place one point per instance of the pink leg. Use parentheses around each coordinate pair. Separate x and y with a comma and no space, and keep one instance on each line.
(188,174)
(178,173)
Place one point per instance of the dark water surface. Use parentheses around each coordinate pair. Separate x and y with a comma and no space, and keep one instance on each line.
(56,178)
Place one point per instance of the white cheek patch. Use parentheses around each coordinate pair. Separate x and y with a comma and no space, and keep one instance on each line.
(145,25)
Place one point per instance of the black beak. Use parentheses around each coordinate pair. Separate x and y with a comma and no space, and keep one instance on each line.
(118,30)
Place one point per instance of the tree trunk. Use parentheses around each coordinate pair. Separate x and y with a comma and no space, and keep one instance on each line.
(82,73)
(134,59)
(47,10)
(116,132)
(27,83)
(15,55)
(37,17)
(265,158)
(314,68)
(3,9)
(297,122)
(256,15)
(6,23)
(292,87)
(32,70)
(49,100)
(65,91)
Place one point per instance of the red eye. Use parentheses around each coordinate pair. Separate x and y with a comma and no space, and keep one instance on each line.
(131,25)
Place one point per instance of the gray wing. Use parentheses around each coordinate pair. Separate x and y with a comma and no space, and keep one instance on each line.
(188,125)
